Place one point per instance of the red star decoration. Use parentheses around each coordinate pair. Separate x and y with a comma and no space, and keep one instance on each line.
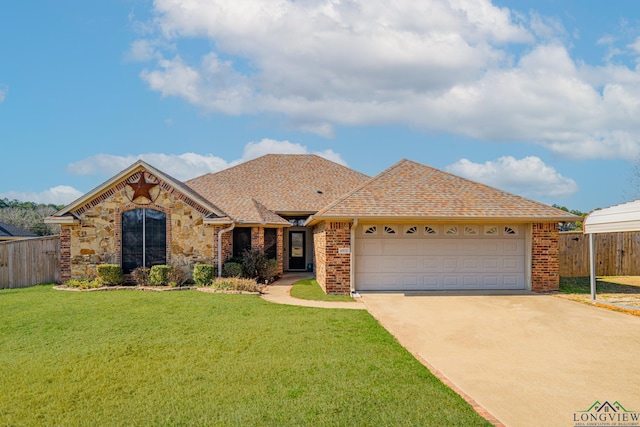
(141,188)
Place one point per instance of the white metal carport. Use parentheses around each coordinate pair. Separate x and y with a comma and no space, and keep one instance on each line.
(616,219)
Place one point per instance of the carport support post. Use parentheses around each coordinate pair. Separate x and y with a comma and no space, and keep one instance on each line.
(592,268)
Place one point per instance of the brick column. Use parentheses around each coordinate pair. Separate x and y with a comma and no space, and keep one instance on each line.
(337,265)
(280,250)
(257,238)
(65,253)
(545,266)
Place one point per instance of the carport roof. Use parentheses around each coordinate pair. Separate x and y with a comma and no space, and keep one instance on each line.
(624,217)
(410,190)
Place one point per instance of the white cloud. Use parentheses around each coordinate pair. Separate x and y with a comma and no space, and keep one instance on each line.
(437,65)
(3,92)
(58,195)
(180,166)
(529,176)
(142,50)
(546,28)
(189,165)
(635,46)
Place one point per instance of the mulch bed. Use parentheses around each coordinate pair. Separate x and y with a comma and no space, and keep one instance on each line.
(154,289)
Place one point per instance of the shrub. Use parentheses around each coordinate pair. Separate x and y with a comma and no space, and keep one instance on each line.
(252,262)
(141,276)
(236,284)
(176,276)
(110,274)
(271,270)
(159,275)
(203,274)
(232,269)
(256,265)
(83,283)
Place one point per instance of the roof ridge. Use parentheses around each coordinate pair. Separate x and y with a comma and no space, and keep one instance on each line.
(246,162)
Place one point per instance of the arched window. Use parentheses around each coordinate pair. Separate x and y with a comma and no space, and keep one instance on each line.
(144,239)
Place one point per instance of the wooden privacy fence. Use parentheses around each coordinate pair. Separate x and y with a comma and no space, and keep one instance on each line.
(617,254)
(29,262)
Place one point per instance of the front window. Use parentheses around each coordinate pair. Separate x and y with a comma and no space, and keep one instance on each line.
(241,241)
(144,239)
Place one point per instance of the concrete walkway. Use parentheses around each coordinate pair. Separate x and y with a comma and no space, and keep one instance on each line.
(279,293)
(529,360)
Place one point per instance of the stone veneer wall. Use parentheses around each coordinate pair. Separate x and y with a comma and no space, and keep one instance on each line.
(319,251)
(333,270)
(545,265)
(97,240)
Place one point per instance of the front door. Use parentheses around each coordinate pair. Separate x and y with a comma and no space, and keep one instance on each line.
(296,250)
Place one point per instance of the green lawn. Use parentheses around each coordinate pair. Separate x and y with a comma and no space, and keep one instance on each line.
(311,290)
(191,358)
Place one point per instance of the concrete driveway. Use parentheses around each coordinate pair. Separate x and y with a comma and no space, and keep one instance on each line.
(530,360)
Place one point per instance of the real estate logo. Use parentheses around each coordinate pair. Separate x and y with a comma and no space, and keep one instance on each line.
(606,415)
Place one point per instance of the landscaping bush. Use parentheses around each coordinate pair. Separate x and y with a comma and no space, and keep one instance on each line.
(203,274)
(176,276)
(83,283)
(159,275)
(236,284)
(256,265)
(110,274)
(232,269)
(271,270)
(252,262)
(141,276)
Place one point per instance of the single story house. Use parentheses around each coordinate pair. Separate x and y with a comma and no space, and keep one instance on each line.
(412,227)
(11,232)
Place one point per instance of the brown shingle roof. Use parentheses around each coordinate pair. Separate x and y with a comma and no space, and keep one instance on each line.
(280,183)
(412,190)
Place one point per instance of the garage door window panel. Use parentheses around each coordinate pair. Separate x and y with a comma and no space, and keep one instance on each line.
(431,230)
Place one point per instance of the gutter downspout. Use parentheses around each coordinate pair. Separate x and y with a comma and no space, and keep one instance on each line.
(352,259)
(224,230)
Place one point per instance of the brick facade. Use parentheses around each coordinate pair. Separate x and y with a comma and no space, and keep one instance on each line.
(227,245)
(333,269)
(65,252)
(280,250)
(545,265)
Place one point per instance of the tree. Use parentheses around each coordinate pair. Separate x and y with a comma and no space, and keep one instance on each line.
(570,226)
(29,216)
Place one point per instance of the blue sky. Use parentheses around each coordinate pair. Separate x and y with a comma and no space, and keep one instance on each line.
(539,98)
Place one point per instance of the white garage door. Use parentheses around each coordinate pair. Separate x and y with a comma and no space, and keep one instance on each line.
(439,257)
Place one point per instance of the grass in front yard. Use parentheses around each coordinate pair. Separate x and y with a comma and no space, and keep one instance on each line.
(624,290)
(192,358)
(311,290)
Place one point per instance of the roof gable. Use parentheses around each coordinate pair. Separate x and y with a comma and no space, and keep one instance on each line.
(280,183)
(412,190)
(136,173)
